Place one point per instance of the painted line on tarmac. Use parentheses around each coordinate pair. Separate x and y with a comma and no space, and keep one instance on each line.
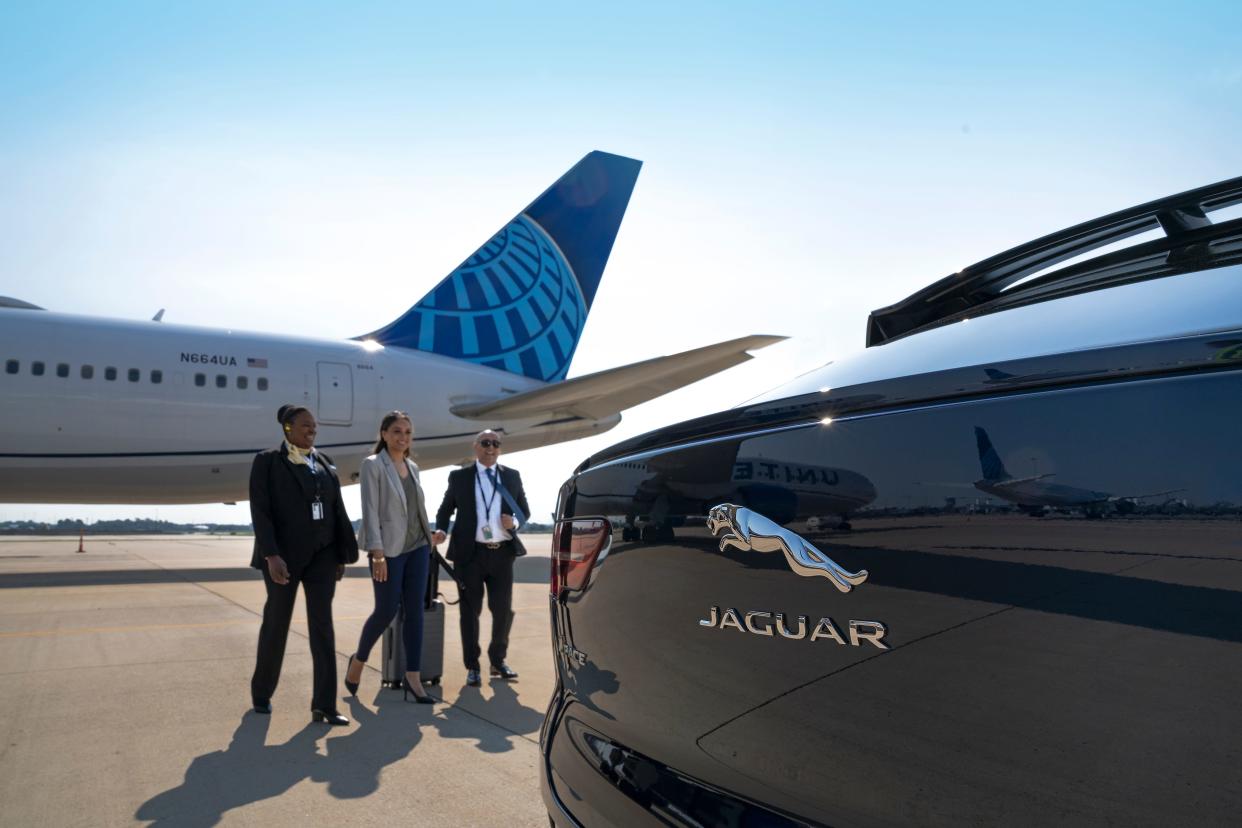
(153,627)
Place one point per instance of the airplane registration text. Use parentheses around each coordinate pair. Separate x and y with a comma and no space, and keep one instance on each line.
(208,359)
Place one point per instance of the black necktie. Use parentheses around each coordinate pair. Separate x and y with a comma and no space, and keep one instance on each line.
(491,478)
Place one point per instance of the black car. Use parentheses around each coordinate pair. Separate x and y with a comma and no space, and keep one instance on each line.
(988,571)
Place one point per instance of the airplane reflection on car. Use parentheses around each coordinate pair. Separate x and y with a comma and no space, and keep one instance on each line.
(1035,495)
(663,497)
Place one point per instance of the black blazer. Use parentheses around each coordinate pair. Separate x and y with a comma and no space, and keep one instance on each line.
(280,508)
(460,498)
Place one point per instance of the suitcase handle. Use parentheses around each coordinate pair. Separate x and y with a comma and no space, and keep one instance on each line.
(433,580)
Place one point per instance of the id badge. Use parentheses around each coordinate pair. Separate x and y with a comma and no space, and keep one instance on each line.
(317,510)
(487,531)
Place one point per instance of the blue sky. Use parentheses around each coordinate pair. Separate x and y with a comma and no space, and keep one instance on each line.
(804,162)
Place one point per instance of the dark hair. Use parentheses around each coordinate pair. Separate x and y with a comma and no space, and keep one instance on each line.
(390,418)
(289,412)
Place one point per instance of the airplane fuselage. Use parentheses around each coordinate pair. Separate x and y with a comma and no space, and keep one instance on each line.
(776,487)
(112,411)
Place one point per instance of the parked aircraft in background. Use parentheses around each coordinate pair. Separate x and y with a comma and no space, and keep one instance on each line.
(112,411)
(780,488)
(1035,496)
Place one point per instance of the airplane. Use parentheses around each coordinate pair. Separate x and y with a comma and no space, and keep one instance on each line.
(116,411)
(786,488)
(1035,497)
(780,489)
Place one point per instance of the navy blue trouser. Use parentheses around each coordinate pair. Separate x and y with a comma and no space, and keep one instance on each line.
(406,584)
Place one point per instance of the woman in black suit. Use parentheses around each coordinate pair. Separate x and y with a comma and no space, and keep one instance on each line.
(302,535)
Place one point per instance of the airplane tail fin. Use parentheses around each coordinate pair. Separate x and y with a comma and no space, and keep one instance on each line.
(989,460)
(520,301)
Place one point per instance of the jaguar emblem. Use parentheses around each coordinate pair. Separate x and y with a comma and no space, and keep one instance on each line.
(749,530)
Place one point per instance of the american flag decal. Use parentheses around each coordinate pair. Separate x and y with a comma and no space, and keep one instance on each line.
(251,362)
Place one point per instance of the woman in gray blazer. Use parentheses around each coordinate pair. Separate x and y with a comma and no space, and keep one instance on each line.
(397,536)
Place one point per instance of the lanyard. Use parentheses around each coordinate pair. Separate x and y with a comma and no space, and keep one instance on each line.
(487,501)
(317,479)
(317,511)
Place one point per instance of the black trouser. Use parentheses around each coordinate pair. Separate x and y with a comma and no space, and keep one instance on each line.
(318,580)
(492,568)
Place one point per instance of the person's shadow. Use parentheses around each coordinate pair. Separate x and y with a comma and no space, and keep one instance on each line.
(355,759)
(505,707)
(247,771)
(589,680)
(251,771)
(507,718)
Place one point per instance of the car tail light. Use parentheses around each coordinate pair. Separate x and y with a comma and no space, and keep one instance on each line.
(576,546)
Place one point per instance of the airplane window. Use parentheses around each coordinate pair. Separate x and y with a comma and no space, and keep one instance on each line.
(62,370)
(262,383)
(88,371)
(12,366)
(134,375)
(157,377)
(242,382)
(200,380)
(36,368)
(222,381)
(109,373)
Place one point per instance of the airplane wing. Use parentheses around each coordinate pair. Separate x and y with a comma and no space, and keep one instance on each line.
(608,392)
(1145,496)
(10,302)
(956,484)
(1031,479)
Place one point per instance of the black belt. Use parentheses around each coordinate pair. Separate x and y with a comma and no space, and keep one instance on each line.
(492,544)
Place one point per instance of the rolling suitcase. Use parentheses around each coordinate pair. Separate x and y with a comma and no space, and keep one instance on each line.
(393,646)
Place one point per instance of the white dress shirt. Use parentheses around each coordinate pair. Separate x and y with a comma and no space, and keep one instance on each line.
(484,493)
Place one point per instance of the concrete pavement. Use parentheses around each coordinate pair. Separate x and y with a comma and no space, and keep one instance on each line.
(124,680)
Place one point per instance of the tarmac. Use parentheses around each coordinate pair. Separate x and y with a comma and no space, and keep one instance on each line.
(125,690)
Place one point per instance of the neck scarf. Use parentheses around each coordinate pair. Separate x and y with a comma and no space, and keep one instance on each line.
(296,455)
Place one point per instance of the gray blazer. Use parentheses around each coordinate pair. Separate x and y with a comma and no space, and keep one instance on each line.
(384,511)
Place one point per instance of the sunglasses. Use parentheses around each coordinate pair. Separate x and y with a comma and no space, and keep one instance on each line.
(489,443)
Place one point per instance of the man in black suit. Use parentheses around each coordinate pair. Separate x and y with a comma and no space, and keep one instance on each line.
(302,534)
(490,504)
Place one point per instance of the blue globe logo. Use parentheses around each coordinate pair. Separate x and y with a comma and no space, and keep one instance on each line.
(515,305)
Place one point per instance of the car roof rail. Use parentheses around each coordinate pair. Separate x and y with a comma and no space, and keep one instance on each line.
(1181,216)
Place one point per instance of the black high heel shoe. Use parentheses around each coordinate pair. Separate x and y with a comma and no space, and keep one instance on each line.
(328,717)
(407,691)
(351,686)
